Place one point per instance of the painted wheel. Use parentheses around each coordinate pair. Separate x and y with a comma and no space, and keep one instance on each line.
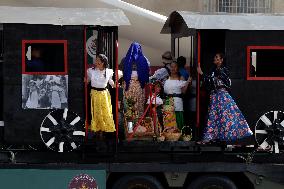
(212,181)
(137,182)
(269,131)
(62,130)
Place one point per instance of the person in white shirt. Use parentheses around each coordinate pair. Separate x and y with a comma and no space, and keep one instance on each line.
(173,88)
(101,108)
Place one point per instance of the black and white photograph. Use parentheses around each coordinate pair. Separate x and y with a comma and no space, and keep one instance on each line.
(44,91)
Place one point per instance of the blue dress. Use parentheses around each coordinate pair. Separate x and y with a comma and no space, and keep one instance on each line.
(225,120)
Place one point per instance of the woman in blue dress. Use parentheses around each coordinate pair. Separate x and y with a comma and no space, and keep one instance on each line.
(225,120)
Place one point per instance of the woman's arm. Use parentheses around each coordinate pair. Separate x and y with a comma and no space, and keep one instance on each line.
(111,82)
(208,79)
(188,82)
(110,74)
(89,75)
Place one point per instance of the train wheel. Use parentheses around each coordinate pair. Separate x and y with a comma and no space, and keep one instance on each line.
(269,131)
(212,181)
(137,182)
(62,130)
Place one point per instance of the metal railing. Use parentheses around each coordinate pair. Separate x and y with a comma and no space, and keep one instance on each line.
(238,6)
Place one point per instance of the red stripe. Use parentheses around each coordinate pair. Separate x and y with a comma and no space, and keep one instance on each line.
(86,84)
(116,90)
(198,81)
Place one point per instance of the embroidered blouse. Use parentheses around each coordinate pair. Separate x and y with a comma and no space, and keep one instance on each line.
(217,78)
(172,87)
(100,78)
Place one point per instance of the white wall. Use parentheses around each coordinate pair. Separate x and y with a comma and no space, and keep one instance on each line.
(153,55)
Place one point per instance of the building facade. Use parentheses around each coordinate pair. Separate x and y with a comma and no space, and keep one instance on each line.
(165,7)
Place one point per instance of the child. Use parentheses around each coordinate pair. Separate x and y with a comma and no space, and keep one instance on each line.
(157,102)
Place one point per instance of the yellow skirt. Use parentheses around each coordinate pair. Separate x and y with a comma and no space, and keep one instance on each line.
(101,109)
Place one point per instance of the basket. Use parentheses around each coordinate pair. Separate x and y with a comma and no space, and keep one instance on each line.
(172,136)
(186,137)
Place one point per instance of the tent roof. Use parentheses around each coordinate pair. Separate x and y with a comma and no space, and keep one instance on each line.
(188,20)
(63,16)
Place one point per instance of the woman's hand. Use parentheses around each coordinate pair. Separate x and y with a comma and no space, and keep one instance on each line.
(188,83)
(86,80)
(199,70)
(189,80)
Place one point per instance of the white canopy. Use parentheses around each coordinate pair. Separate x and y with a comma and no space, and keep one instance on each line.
(225,21)
(63,16)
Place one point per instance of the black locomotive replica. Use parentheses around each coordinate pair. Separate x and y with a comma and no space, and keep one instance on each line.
(46,132)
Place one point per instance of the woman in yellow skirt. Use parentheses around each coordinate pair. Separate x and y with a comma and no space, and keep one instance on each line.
(101,109)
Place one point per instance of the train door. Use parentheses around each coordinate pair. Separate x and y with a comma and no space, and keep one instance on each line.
(209,43)
(99,40)
(184,47)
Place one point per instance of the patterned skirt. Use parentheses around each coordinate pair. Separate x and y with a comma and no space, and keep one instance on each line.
(101,109)
(170,121)
(225,120)
(136,95)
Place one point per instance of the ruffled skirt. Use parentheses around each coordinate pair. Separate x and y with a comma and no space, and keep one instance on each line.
(225,120)
(101,109)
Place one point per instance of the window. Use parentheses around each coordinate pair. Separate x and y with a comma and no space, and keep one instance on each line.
(44,57)
(242,6)
(265,62)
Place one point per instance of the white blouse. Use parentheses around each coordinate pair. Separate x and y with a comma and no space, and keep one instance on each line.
(174,87)
(158,102)
(99,79)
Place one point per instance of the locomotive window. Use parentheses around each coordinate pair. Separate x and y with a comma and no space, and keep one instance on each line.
(265,62)
(44,56)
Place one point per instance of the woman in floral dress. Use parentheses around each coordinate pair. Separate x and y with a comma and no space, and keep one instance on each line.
(225,120)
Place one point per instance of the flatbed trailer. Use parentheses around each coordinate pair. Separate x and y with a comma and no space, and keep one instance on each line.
(168,165)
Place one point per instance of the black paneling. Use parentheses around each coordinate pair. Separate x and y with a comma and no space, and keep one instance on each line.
(254,98)
(1,73)
(212,42)
(237,41)
(23,125)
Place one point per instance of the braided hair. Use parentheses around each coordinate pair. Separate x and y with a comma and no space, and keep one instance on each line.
(103,58)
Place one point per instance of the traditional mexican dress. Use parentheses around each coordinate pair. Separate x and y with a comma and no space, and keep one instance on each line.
(101,108)
(55,99)
(172,89)
(33,99)
(135,94)
(225,120)
(136,75)
(55,89)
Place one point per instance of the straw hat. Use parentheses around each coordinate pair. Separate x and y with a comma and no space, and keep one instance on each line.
(167,57)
